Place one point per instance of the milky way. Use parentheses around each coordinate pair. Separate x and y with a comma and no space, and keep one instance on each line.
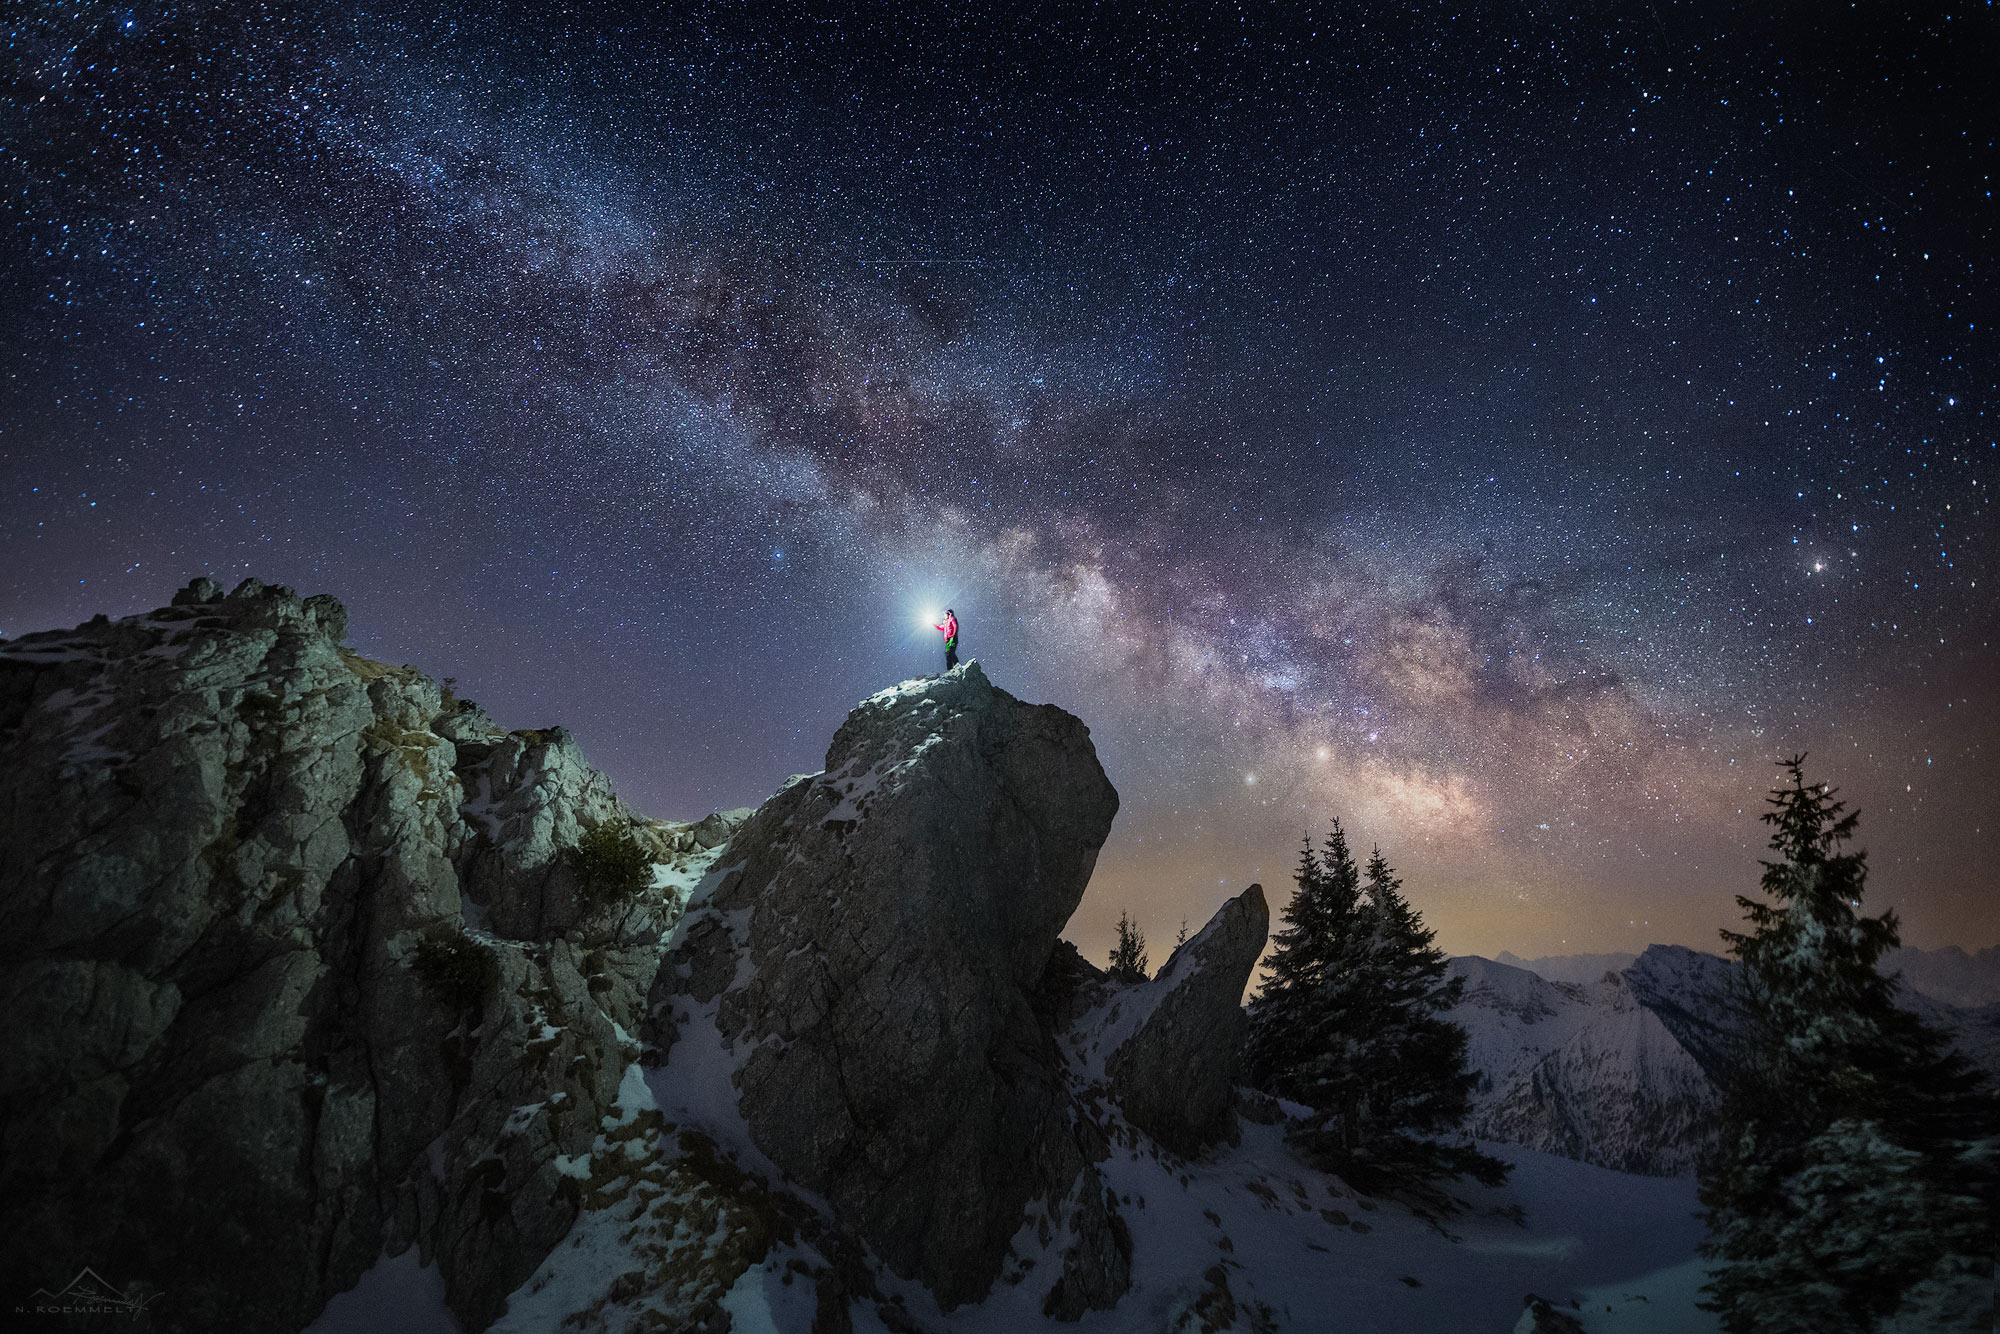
(1507,431)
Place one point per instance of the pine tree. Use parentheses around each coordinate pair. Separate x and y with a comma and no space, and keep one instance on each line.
(1306,1020)
(1128,957)
(1845,1195)
(1414,1058)
(1349,1023)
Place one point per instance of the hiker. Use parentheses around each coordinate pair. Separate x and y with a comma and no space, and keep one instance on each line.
(950,627)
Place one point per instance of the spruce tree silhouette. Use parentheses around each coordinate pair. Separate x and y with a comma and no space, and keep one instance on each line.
(1128,957)
(1350,1024)
(1852,1190)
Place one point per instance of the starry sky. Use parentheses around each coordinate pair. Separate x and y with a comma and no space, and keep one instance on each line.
(1509,428)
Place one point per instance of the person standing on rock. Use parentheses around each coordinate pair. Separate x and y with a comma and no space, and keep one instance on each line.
(950,627)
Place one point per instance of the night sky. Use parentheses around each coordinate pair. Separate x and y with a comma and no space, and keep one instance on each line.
(1505,427)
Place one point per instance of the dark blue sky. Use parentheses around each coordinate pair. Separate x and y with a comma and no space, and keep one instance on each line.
(1505,429)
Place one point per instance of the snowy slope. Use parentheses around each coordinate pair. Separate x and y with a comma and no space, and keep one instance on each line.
(1248,1233)
(1580,1070)
(1291,1249)
(1624,1071)
(1247,1237)
(1689,992)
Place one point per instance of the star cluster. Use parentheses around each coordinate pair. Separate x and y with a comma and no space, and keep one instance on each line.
(1506,430)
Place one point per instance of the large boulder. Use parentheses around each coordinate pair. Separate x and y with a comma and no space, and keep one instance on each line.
(868,968)
(1174,1072)
(252,1034)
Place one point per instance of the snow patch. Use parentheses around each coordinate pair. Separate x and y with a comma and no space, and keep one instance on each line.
(397,1293)
(761,1303)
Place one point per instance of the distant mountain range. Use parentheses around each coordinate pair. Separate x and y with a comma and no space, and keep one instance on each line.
(1583,1070)
(1950,974)
(1616,1059)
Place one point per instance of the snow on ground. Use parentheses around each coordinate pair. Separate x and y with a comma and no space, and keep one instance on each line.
(1662,1302)
(602,1245)
(1248,1228)
(1307,1254)
(763,1303)
(1248,1231)
(398,1295)
(679,880)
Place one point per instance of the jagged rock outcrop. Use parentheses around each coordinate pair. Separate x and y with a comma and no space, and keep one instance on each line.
(308,961)
(870,963)
(251,1038)
(1172,1047)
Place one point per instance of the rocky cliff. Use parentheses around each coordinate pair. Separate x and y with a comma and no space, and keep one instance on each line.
(309,962)
(876,967)
(300,960)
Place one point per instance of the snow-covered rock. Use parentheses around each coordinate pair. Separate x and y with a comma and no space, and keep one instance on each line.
(310,963)
(1689,991)
(304,991)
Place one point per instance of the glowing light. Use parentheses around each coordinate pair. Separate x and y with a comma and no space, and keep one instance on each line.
(1322,752)
(1250,778)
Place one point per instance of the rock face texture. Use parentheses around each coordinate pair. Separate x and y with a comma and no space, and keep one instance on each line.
(308,962)
(1174,1073)
(1688,992)
(250,1038)
(869,963)
(1582,1071)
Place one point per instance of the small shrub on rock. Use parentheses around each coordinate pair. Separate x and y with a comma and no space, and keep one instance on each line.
(456,970)
(611,867)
